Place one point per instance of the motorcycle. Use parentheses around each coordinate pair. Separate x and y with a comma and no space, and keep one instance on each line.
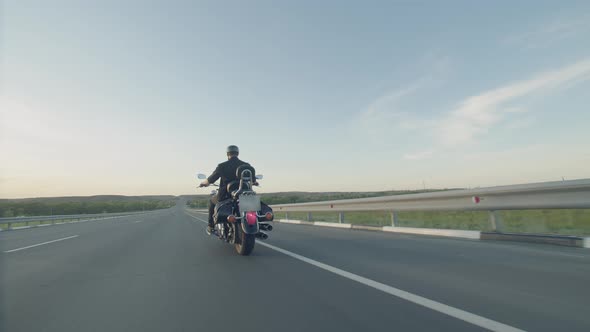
(243,218)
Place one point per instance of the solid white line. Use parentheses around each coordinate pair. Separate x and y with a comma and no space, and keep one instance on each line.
(419,300)
(199,219)
(286,221)
(40,244)
(430,304)
(475,235)
(331,224)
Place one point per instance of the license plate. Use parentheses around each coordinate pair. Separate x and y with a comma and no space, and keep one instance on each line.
(249,203)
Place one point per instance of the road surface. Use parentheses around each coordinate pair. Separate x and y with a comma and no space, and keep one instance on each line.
(161,272)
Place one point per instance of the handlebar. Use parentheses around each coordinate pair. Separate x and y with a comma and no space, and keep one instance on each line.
(216,185)
(210,184)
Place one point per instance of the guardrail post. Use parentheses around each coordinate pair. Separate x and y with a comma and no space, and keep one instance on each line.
(393,219)
(495,221)
(308,216)
(341,217)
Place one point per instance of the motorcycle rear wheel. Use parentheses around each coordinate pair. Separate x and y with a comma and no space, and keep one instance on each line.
(246,243)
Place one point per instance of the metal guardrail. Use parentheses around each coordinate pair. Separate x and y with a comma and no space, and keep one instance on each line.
(571,194)
(71,217)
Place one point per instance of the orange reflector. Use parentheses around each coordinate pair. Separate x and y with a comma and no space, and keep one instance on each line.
(268,216)
(231,218)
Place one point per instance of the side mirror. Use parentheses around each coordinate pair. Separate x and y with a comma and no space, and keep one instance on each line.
(259,176)
(201,176)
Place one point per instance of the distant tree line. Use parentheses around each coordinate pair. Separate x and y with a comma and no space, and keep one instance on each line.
(200,202)
(304,197)
(33,208)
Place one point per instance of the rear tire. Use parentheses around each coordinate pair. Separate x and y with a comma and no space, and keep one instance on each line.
(246,244)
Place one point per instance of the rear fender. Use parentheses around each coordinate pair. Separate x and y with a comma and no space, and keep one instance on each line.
(249,223)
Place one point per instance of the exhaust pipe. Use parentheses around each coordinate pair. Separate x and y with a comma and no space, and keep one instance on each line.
(265,227)
(261,235)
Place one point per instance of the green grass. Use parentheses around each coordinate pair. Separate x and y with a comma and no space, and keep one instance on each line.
(82,205)
(37,223)
(21,224)
(200,201)
(565,222)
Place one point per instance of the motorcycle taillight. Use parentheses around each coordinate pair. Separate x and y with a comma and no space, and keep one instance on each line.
(251,218)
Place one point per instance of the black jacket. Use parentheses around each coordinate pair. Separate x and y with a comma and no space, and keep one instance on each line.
(227,172)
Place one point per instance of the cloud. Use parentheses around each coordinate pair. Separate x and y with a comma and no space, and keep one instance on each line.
(521,123)
(419,155)
(19,122)
(387,103)
(387,113)
(475,115)
(549,33)
(515,109)
(470,120)
(391,110)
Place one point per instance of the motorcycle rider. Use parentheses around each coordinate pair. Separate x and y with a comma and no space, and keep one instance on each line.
(227,172)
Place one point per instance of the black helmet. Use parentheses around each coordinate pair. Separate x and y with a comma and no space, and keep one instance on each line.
(232,149)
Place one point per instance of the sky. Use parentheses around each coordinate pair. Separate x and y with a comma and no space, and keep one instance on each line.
(137,97)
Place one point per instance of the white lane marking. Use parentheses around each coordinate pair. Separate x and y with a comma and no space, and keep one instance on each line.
(71,222)
(199,219)
(417,299)
(138,221)
(40,244)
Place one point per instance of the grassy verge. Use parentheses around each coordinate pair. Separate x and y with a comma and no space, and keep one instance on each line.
(565,222)
(22,224)
(45,222)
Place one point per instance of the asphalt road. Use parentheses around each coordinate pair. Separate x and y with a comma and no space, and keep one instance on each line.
(161,272)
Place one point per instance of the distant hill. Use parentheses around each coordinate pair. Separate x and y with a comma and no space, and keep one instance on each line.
(120,203)
(302,197)
(96,198)
(83,205)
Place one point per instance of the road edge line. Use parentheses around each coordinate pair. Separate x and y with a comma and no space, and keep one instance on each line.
(40,244)
(416,299)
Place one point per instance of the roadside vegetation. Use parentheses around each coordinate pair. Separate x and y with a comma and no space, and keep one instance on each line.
(557,221)
(82,205)
(200,201)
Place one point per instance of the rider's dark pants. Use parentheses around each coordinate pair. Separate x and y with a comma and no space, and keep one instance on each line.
(212,202)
